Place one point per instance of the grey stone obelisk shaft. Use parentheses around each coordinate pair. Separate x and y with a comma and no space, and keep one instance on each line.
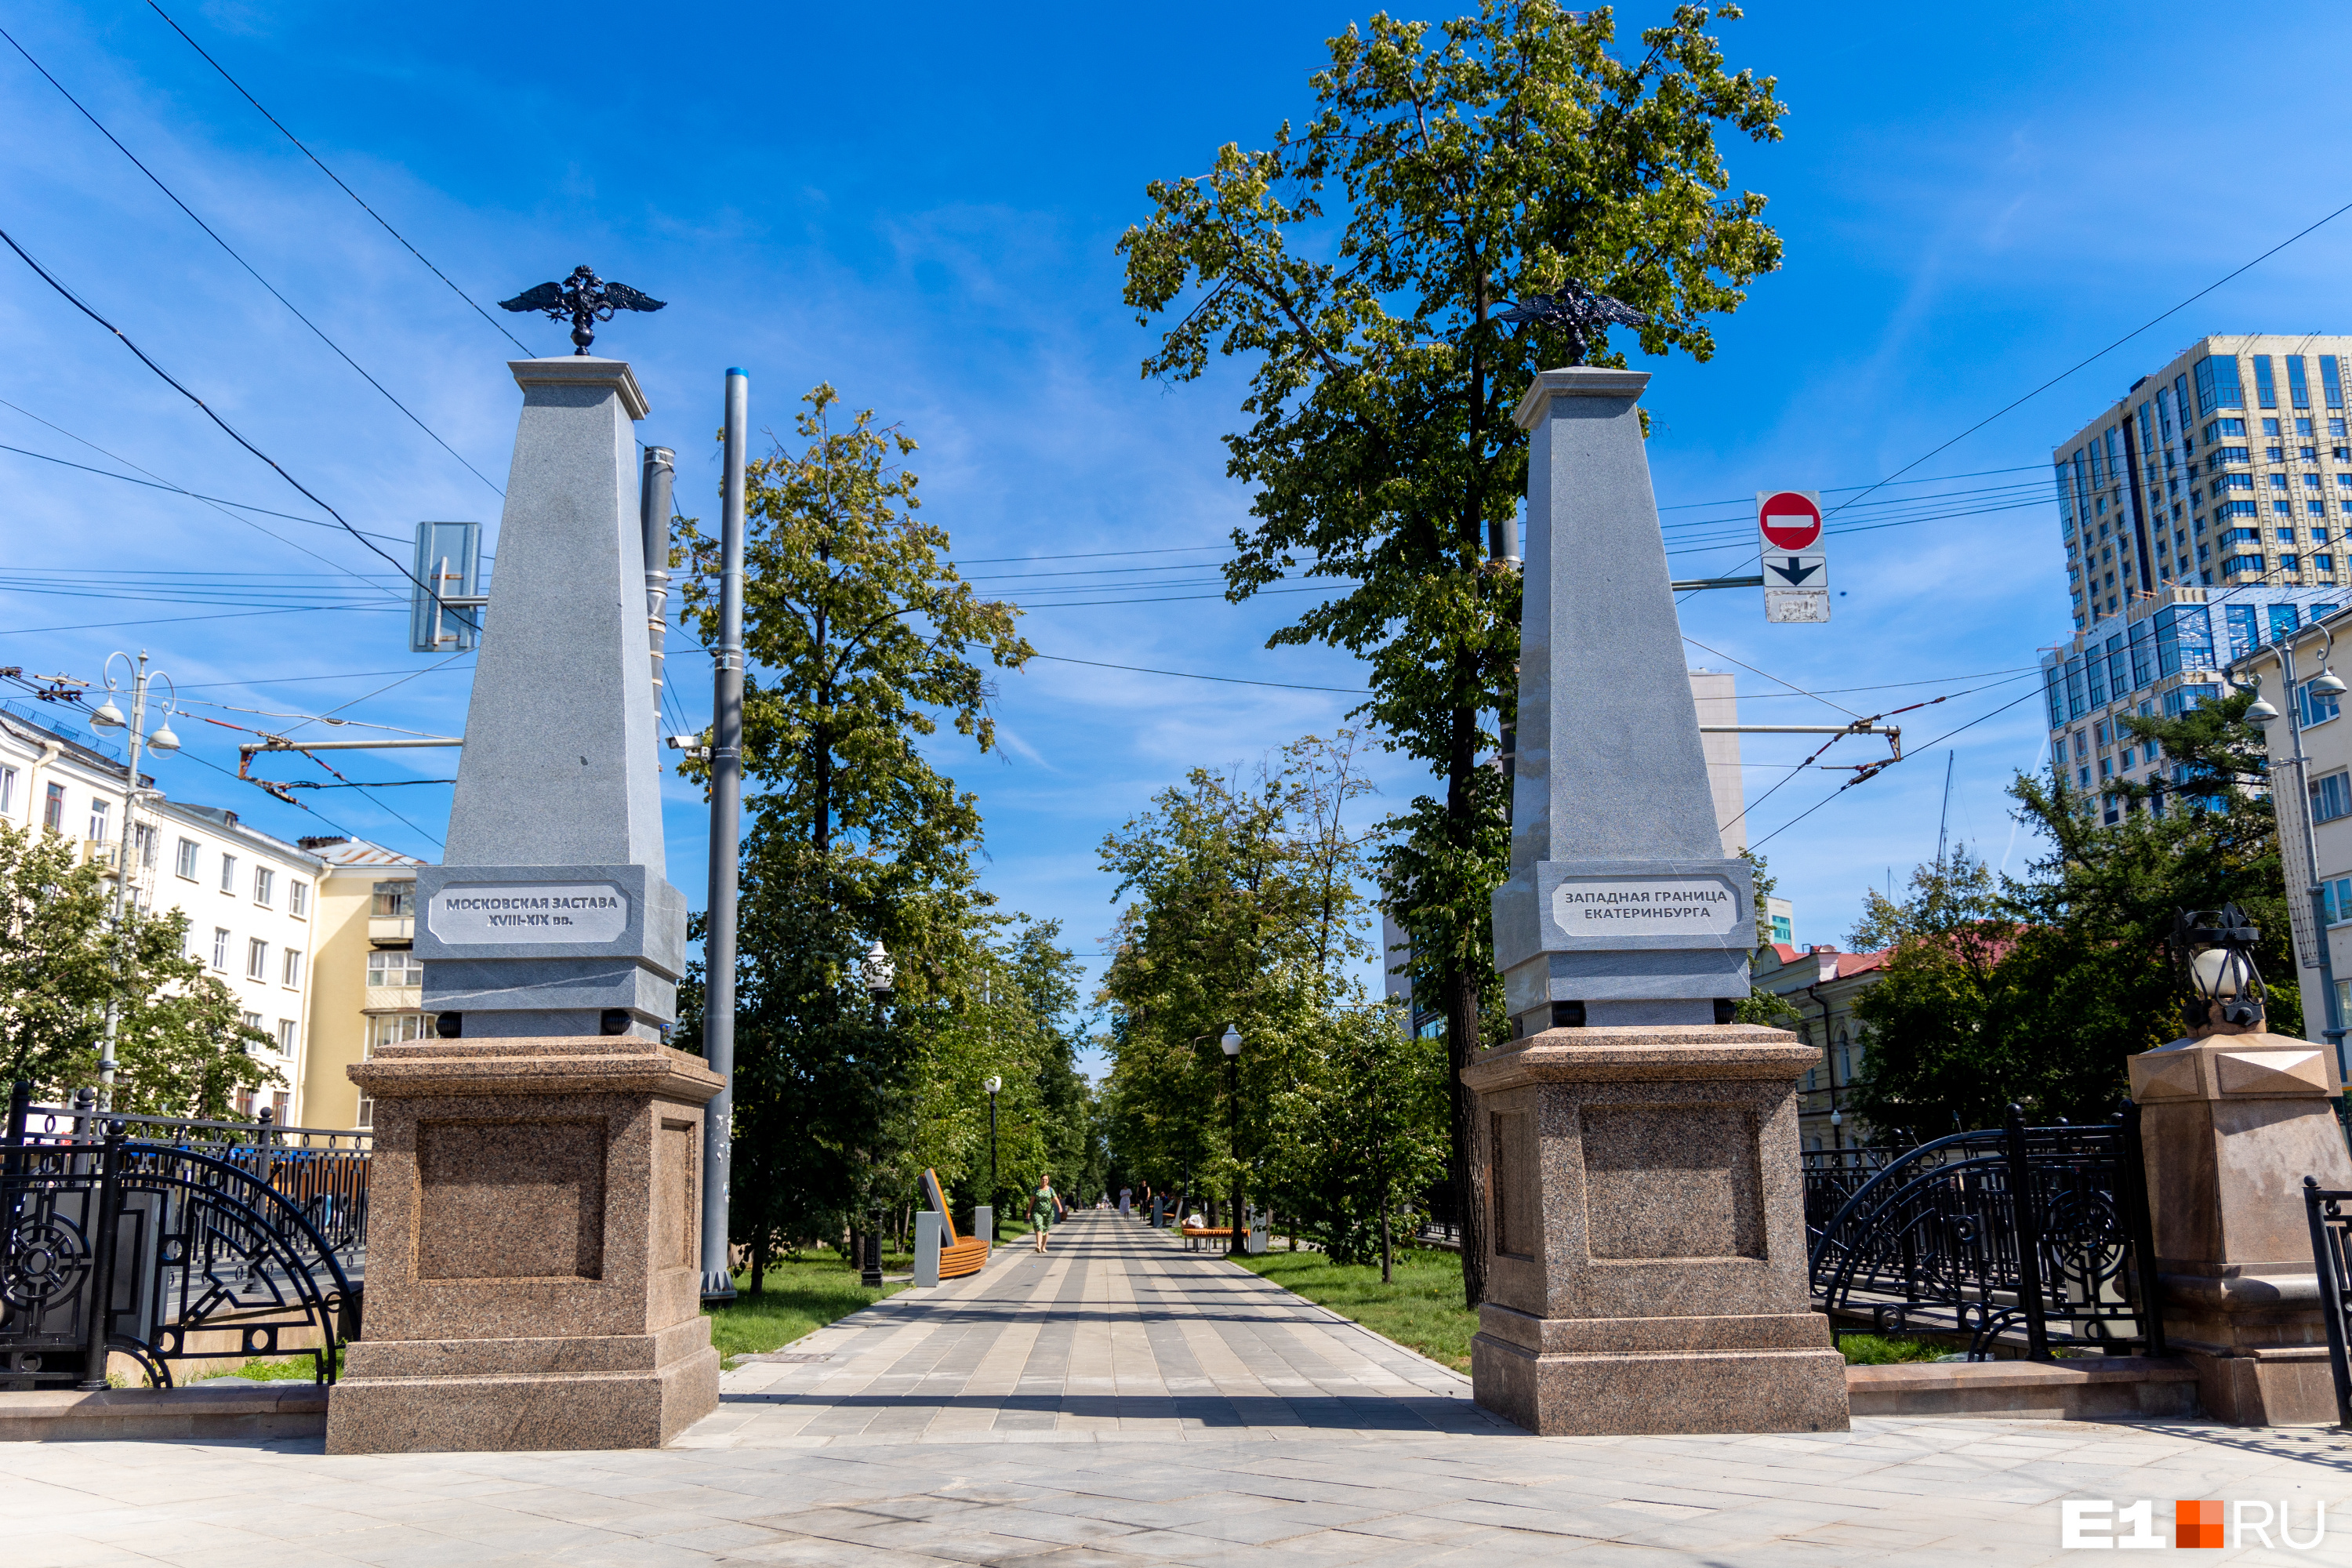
(1613,824)
(725,837)
(550,913)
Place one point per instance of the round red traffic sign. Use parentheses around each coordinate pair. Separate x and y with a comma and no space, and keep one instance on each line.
(1790,520)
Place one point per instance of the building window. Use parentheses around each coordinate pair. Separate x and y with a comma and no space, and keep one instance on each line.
(2319,707)
(184,859)
(252,1021)
(290,968)
(7,790)
(228,873)
(257,958)
(395,966)
(394,900)
(2331,798)
(289,1035)
(220,948)
(399,1028)
(98,821)
(265,885)
(297,898)
(2335,899)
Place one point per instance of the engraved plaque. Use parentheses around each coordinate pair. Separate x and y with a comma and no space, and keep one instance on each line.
(1515,1183)
(510,1200)
(1672,1182)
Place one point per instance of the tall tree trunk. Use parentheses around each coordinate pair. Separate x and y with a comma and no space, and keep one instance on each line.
(1460,983)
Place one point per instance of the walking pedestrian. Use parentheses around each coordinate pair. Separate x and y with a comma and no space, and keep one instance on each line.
(1045,1208)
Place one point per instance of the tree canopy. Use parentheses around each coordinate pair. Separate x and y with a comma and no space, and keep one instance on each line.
(1359,262)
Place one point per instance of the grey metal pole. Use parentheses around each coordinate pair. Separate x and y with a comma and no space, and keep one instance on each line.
(2314,890)
(726,835)
(654,497)
(106,1063)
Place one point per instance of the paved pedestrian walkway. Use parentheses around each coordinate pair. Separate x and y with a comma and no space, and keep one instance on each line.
(1116,1330)
(1123,1404)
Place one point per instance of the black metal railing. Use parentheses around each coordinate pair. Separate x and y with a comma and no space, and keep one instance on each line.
(2032,1234)
(162,1252)
(322,1171)
(2330,1214)
(1831,1177)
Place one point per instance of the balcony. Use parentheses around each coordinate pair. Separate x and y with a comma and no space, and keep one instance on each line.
(385,929)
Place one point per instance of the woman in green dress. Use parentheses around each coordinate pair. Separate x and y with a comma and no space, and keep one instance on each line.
(1045,1208)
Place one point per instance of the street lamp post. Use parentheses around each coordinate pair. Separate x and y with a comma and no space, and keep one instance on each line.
(1239,1219)
(109,717)
(880,975)
(992,1084)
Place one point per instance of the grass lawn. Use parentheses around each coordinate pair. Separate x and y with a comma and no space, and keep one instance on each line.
(799,1296)
(1420,1309)
(1872,1350)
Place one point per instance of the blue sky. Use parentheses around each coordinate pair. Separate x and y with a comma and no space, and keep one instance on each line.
(921,205)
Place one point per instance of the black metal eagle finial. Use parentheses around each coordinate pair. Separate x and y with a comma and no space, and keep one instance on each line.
(586,299)
(1582,314)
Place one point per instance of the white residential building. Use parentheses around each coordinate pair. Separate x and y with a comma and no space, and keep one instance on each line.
(251,899)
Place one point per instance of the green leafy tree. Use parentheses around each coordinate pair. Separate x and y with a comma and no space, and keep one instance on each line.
(2034,991)
(1361,262)
(182,1045)
(56,971)
(860,641)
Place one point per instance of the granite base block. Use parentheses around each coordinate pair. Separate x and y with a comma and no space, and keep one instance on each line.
(2093,1388)
(1651,1392)
(162,1414)
(509,1412)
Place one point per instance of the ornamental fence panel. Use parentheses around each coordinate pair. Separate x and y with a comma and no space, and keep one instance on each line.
(2037,1234)
(2330,1214)
(223,1246)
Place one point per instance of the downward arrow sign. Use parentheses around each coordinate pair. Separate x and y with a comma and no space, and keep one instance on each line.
(1796,571)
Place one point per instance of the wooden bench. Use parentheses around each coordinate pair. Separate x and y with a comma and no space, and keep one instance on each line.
(958,1256)
(1194,1234)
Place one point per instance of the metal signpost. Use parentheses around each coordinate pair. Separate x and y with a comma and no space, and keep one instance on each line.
(1796,569)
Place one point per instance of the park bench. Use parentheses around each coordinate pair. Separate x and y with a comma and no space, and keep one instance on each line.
(1194,1234)
(958,1256)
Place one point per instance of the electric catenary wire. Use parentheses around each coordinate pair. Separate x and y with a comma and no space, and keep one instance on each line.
(338,179)
(241,261)
(75,299)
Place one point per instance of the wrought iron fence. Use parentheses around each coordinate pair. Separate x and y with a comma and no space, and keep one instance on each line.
(322,1171)
(194,1255)
(2331,1250)
(1831,1177)
(2038,1231)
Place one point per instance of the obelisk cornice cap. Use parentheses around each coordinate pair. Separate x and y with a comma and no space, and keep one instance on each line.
(1577,381)
(585,370)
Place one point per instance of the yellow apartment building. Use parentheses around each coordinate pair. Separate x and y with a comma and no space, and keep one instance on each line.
(367,987)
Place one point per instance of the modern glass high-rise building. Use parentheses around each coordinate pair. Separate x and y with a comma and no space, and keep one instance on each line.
(2230,465)
(2202,515)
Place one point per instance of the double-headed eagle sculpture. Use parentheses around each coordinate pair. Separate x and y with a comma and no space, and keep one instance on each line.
(1577,311)
(586,299)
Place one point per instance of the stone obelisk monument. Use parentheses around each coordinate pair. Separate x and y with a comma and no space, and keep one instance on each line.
(533,1276)
(1646,1243)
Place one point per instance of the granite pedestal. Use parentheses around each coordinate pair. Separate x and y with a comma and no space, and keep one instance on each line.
(533,1249)
(2231,1125)
(1645,1247)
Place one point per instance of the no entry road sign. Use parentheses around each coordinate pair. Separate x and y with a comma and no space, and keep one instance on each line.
(1790,520)
(1796,568)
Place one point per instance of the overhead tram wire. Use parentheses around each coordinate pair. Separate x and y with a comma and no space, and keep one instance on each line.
(75,299)
(179,620)
(175,490)
(1923,750)
(314,158)
(248,265)
(2085,363)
